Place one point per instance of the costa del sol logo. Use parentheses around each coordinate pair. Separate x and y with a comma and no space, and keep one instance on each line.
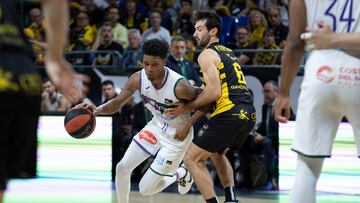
(325,74)
(148,136)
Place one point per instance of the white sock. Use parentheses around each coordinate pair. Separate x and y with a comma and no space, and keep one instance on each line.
(133,157)
(307,173)
(180,172)
(152,183)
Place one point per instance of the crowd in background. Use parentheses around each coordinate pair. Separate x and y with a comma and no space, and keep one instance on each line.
(103,31)
(99,26)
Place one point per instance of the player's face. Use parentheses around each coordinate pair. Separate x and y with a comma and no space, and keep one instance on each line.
(154,67)
(202,34)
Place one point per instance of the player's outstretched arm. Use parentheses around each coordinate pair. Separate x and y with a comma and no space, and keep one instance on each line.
(116,103)
(56,15)
(291,58)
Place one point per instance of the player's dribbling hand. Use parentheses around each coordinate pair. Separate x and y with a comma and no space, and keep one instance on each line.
(282,109)
(66,80)
(182,132)
(89,107)
(176,110)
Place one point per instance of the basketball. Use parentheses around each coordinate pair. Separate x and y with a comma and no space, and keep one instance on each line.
(79,122)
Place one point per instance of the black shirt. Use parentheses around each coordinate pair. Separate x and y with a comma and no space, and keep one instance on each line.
(12,37)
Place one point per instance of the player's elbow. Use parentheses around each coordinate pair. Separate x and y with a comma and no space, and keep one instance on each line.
(216,93)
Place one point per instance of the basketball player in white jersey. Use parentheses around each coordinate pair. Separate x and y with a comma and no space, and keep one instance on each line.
(160,88)
(331,85)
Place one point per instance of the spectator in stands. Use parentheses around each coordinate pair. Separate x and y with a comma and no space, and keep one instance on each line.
(177,63)
(219,7)
(108,90)
(267,134)
(36,34)
(52,100)
(240,7)
(190,48)
(107,44)
(83,35)
(280,30)
(166,18)
(267,57)
(131,18)
(183,24)
(119,31)
(132,57)
(242,42)
(258,26)
(156,30)
(96,15)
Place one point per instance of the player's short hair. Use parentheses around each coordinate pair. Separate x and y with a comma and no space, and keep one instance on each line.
(107,82)
(156,47)
(213,20)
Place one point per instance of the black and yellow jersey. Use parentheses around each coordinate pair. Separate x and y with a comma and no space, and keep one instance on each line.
(12,37)
(233,84)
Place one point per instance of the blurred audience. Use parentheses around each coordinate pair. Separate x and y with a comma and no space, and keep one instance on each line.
(107,44)
(36,34)
(132,57)
(52,100)
(156,30)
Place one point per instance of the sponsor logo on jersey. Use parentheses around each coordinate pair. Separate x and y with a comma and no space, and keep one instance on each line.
(148,136)
(243,115)
(325,74)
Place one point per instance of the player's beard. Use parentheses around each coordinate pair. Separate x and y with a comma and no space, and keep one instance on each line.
(204,41)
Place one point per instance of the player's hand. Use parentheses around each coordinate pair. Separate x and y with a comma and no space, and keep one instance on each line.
(320,38)
(66,80)
(282,109)
(182,131)
(89,107)
(178,109)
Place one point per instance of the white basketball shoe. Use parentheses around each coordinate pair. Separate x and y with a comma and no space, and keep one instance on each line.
(185,183)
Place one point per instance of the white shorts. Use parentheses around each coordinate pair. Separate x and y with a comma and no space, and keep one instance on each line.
(319,112)
(169,152)
(330,90)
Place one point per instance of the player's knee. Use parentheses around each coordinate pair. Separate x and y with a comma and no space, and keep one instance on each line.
(122,168)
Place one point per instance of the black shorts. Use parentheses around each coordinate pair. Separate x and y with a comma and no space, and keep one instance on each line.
(227,130)
(19,112)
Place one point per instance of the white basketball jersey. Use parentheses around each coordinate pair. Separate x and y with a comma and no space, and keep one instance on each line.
(157,100)
(333,67)
(341,15)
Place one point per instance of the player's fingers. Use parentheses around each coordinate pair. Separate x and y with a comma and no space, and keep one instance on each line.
(306,35)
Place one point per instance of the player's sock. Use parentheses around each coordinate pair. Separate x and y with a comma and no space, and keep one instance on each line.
(307,173)
(230,194)
(212,200)
(180,172)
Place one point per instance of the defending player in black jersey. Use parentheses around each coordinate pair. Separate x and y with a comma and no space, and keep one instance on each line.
(20,86)
(233,116)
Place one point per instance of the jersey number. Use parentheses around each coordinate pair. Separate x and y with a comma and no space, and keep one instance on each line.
(346,14)
(239,73)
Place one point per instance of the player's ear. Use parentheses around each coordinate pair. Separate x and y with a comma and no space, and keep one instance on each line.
(214,31)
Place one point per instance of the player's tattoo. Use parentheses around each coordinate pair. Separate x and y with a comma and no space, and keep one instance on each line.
(185,90)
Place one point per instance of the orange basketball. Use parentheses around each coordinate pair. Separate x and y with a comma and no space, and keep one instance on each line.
(79,122)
